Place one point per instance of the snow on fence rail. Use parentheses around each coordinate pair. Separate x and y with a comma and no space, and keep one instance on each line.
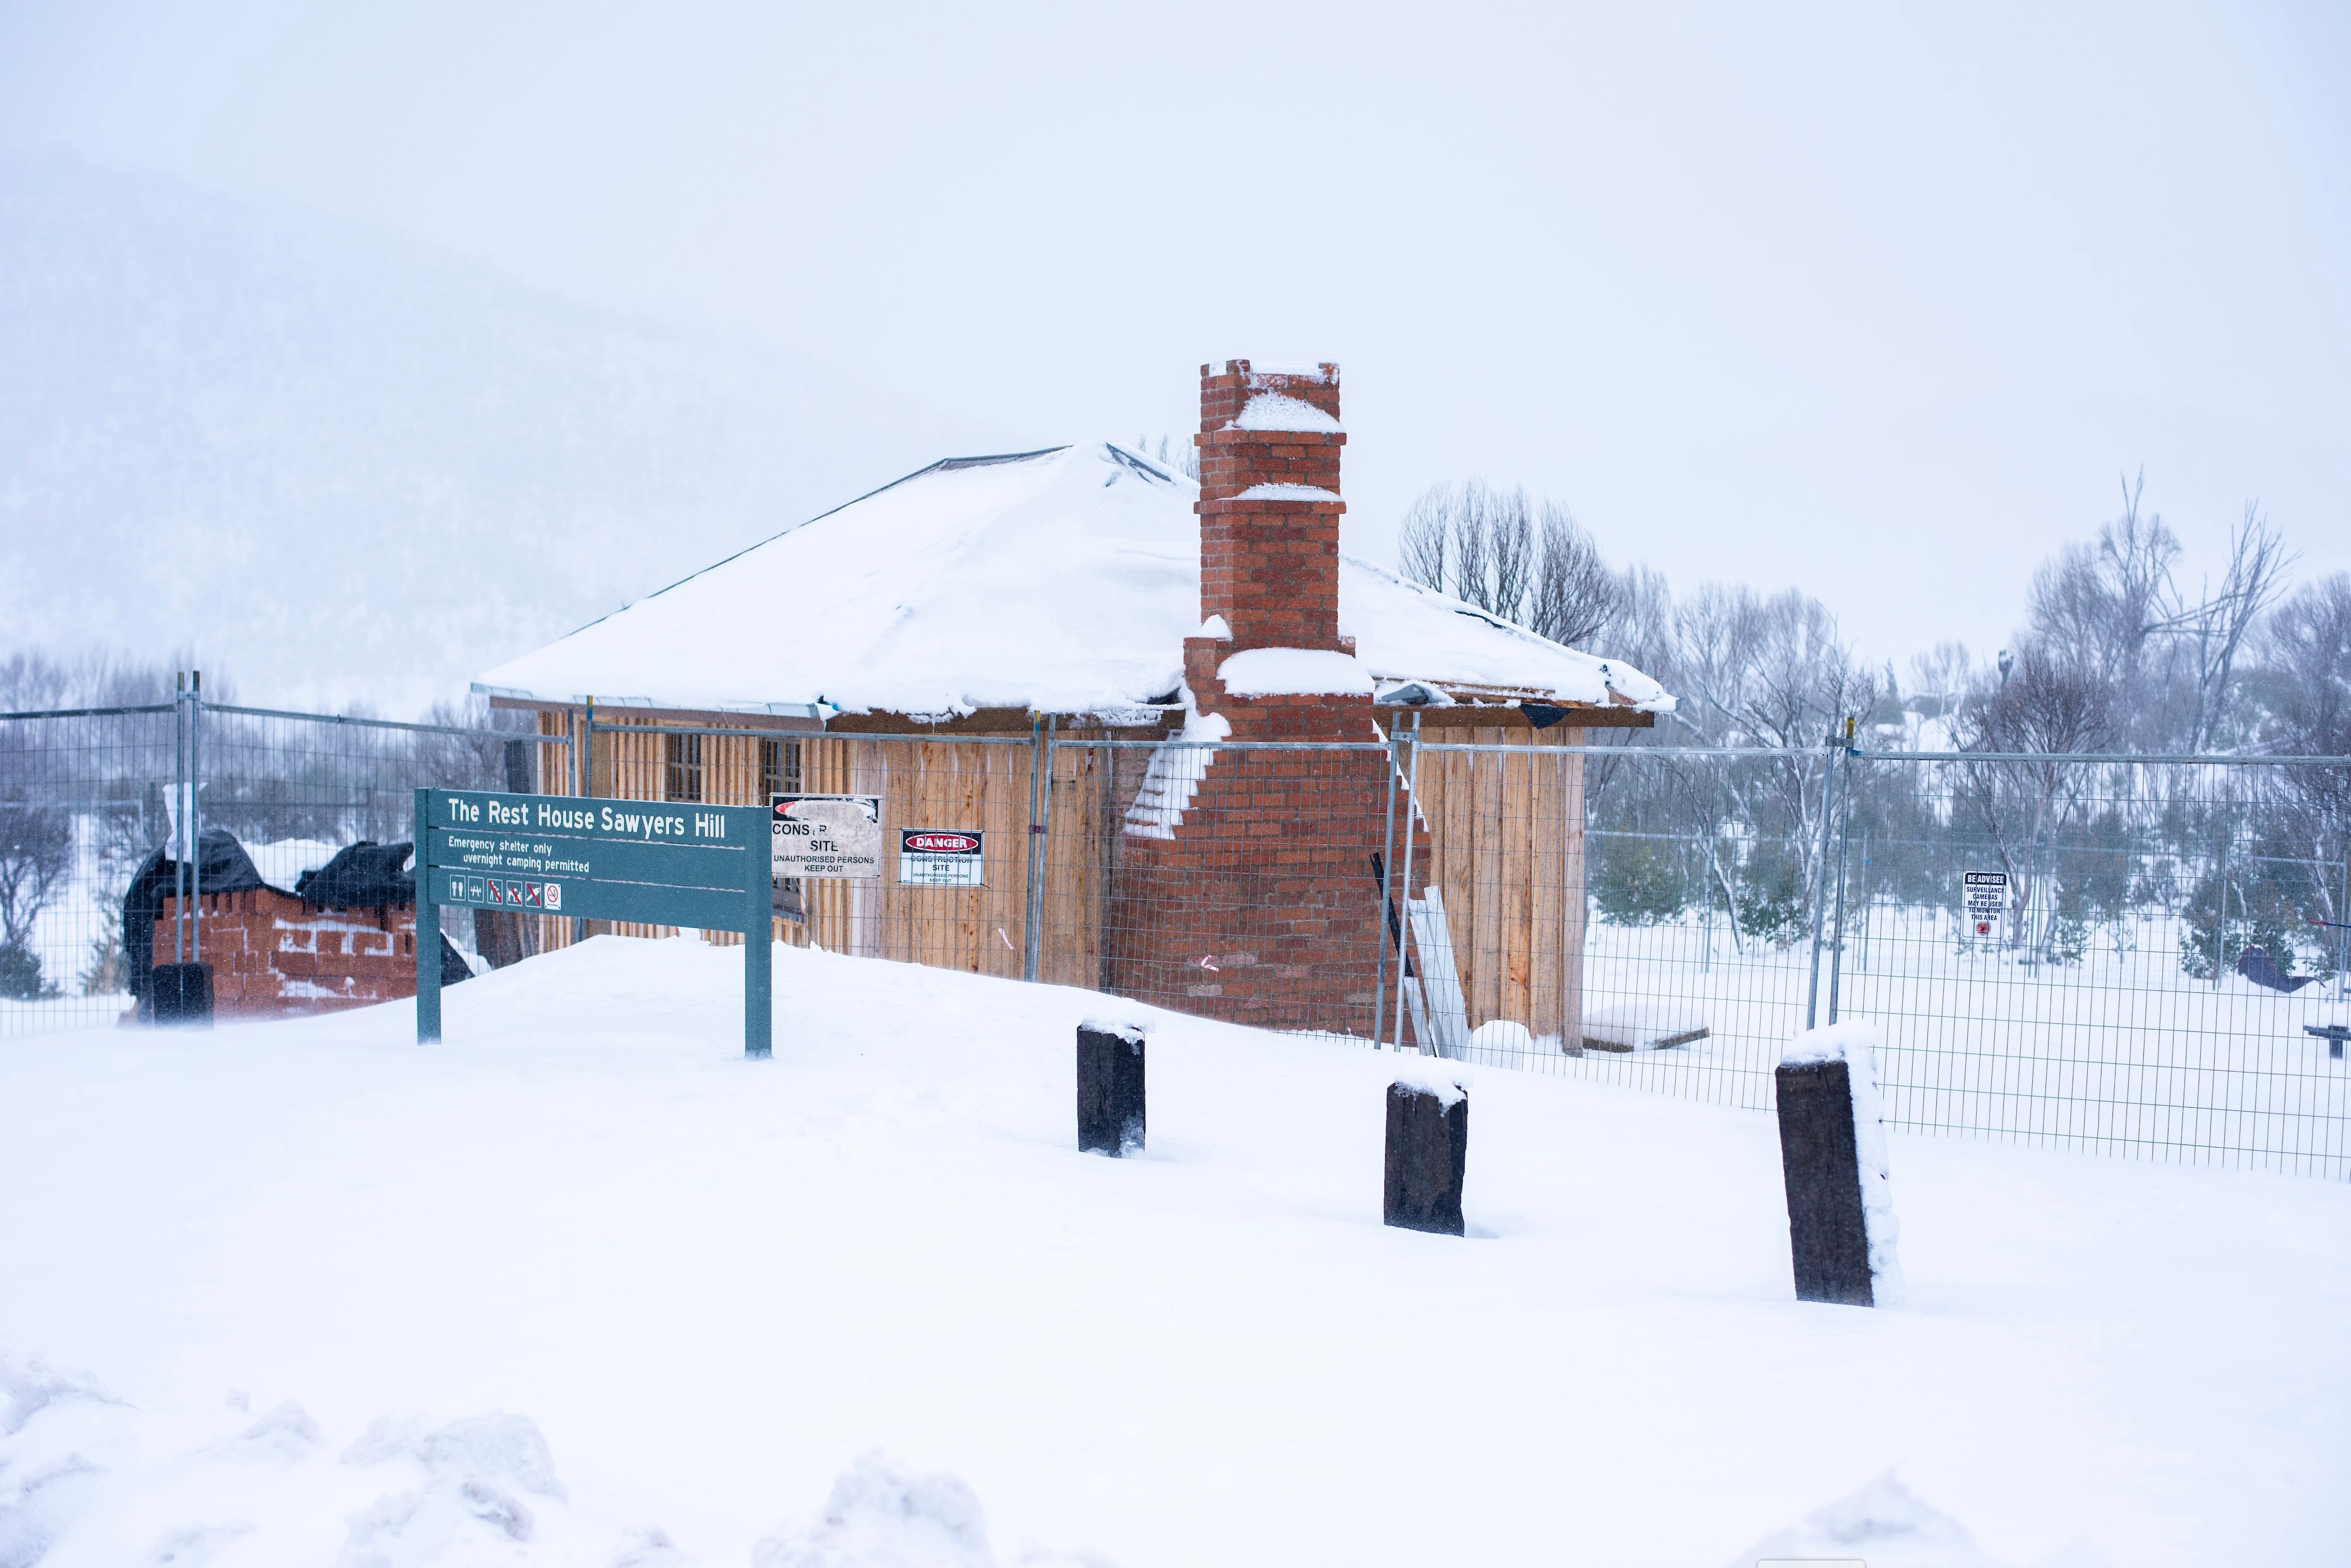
(1642,915)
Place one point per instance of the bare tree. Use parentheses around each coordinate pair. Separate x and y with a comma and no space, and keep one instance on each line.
(2217,627)
(1525,561)
(1575,597)
(2097,605)
(2115,611)
(1510,528)
(1472,555)
(1424,538)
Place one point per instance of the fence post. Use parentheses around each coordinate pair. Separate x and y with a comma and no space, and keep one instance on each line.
(2221,904)
(178,827)
(2343,927)
(1404,895)
(1041,817)
(1861,897)
(1844,849)
(196,817)
(1388,914)
(1821,888)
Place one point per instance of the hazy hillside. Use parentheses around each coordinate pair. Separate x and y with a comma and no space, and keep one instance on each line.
(345,466)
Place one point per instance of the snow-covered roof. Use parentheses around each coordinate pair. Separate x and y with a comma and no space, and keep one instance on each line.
(1062,581)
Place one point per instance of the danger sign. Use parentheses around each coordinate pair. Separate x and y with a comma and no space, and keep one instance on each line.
(936,857)
(1983,900)
(837,836)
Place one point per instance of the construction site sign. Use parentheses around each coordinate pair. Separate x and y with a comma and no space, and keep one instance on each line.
(941,857)
(834,836)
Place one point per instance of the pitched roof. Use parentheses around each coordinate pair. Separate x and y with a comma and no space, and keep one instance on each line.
(1063,580)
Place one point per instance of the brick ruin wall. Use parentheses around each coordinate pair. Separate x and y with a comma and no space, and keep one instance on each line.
(274,955)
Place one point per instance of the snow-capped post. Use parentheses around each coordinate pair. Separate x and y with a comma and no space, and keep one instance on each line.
(1110,1087)
(1428,1150)
(1841,1228)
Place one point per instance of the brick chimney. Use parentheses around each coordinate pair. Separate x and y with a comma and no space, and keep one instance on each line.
(1244,887)
(1270,508)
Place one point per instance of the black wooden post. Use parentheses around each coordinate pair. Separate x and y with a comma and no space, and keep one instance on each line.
(1827,1229)
(182,994)
(1427,1155)
(1110,1087)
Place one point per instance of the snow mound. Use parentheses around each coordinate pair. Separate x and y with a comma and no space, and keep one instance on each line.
(882,1517)
(282,862)
(1856,1045)
(1883,1525)
(1643,1025)
(1503,1041)
(286,1437)
(1293,672)
(1280,411)
(496,1447)
(473,1468)
(650,1549)
(1287,493)
(32,1386)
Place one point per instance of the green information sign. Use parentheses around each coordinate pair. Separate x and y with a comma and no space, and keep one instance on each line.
(662,862)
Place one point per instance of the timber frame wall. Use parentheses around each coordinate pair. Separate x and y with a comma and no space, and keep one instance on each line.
(1505,841)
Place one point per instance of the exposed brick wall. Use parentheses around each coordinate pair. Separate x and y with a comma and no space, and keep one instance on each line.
(1262,907)
(273,954)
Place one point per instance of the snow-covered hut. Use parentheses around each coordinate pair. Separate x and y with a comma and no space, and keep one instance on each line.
(1089,591)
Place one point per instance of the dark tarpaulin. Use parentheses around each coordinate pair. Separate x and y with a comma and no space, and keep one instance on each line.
(2256,965)
(222,865)
(366,875)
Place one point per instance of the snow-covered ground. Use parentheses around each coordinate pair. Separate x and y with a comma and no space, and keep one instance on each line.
(583,1286)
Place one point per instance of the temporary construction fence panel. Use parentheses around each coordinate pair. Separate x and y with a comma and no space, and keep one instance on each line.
(2151,986)
(1647,917)
(87,796)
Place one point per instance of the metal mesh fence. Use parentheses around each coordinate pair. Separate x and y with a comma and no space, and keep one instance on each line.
(84,796)
(1683,939)
(2167,953)
(88,797)
(2171,935)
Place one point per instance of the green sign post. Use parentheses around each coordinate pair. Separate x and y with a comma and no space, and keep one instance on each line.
(662,862)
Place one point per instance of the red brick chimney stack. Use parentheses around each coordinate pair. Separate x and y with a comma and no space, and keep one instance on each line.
(1270,508)
(1244,887)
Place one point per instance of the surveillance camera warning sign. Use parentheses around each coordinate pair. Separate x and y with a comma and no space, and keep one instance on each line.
(1983,901)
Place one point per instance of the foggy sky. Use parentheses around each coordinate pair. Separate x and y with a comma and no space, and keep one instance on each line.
(1875,305)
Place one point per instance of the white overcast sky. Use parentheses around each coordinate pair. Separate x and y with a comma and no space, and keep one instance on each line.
(1871,302)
